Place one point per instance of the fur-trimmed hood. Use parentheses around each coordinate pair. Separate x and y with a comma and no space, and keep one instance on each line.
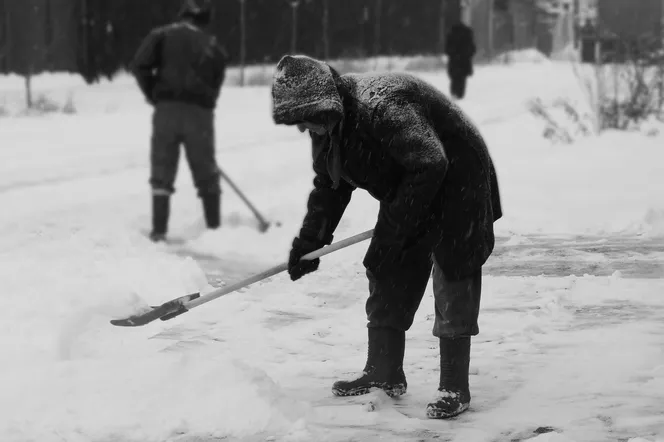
(304,89)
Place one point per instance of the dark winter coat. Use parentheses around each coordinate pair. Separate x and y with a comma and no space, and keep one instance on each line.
(405,143)
(460,49)
(180,62)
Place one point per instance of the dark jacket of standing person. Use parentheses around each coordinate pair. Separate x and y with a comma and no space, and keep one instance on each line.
(181,61)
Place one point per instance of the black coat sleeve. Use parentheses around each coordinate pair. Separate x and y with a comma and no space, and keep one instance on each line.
(472,48)
(219,59)
(412,142)
(146,62)
(326,205)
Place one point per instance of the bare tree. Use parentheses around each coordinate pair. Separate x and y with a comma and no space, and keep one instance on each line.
(295,4)
(491,47)
(442,29)
(243,40)
(624,94)
(548,11)
(4,35)
(39,54)
(377,29)
(326,29)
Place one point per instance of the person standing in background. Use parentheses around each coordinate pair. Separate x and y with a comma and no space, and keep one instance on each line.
(180,69)
(460,50)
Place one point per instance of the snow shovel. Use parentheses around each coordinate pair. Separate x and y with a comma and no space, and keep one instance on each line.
(178,306)
(263,224)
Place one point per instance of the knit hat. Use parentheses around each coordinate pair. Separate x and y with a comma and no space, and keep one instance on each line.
(200,10)
(303,88)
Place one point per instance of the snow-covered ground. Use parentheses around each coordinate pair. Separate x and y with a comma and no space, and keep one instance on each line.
(572,336)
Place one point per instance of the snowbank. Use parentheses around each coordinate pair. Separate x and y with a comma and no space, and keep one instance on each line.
(73,376)
(603,185)
(150,399)
(522,56)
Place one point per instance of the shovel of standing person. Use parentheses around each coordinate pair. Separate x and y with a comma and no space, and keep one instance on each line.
(178,306)
(263,224)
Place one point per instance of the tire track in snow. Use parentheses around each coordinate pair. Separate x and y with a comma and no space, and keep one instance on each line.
(632,256)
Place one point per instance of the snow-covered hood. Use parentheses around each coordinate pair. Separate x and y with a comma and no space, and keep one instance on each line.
(303,88)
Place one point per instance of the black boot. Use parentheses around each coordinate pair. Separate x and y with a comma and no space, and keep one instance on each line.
(212,209)
(384,367)
(161,207)
(453,392)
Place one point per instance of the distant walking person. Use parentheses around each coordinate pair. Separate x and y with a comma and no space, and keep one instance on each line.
(460,49)
(180,69)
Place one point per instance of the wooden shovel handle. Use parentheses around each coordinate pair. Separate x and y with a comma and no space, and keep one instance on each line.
(277,269)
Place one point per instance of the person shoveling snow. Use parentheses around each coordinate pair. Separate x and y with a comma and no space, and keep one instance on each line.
(417,153)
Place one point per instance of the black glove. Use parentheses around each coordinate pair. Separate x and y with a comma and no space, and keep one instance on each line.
(297,268)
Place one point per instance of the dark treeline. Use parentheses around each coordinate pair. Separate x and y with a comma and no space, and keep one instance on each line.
(99,37)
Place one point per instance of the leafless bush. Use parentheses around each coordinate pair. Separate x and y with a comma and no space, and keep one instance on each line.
(624,94)
(563,121)
(44,105)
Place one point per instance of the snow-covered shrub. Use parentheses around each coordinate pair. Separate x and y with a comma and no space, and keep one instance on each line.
(378,64)
(44,105)
(255,75)
(564,120)
(652,127)
(359,65)
(624,95)
(69,107)
(426,64)
(530,55)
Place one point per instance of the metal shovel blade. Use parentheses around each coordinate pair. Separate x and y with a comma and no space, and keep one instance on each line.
(166,311)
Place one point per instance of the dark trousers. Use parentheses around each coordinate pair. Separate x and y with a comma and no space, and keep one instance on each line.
(175,124)
(394,298)
(458,86)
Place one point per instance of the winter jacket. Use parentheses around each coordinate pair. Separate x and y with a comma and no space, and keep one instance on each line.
(405,143)
(180,62)
(460,49)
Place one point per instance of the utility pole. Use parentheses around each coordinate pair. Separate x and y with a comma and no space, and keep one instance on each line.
(491,29)
(377,28)
(442,28)
(243,40)
(326,29)
(293,44)
(5,38)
